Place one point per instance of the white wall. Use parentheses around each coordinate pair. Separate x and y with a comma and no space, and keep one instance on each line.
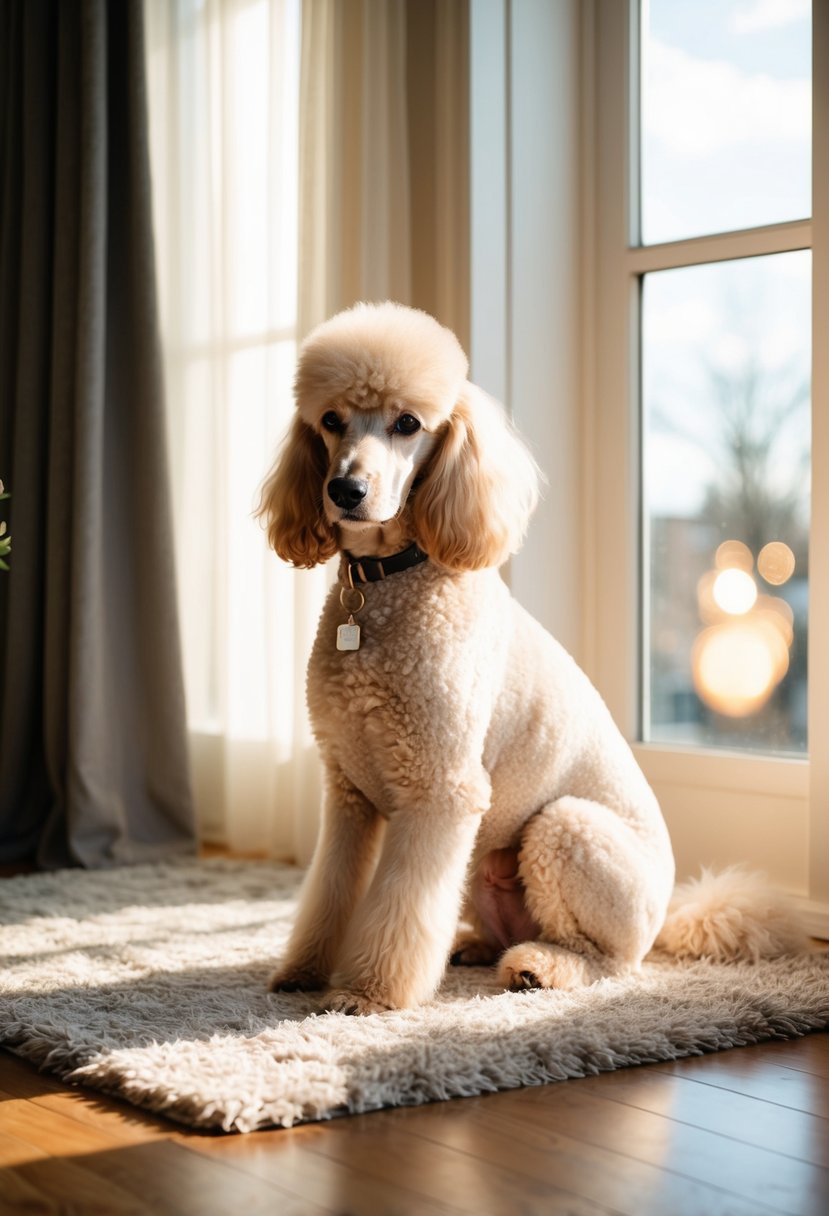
(525,269)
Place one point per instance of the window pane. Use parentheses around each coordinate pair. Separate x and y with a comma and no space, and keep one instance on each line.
(725,115)
(726,445)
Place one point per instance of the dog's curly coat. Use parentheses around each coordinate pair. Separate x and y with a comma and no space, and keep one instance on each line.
(472,769)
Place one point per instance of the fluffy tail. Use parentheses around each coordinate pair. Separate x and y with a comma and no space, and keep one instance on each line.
(733,916)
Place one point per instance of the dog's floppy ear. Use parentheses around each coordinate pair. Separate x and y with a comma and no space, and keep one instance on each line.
(480,487)
(290,501)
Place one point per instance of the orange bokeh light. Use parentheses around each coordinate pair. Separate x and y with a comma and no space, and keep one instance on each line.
(736,665)
(734,555)
(776,563)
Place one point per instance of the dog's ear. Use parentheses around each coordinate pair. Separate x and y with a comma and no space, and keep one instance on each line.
(290,501)
(480,487)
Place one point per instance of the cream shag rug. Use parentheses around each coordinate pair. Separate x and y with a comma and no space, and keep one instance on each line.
(149,983)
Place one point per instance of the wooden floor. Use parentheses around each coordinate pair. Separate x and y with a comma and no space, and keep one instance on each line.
(743,1131)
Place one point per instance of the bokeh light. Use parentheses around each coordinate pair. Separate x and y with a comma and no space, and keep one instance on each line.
(777,613)
(734,555)
(735,591)
(776,563)
(737,665)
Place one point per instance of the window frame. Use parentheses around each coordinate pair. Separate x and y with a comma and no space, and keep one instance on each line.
(720,806)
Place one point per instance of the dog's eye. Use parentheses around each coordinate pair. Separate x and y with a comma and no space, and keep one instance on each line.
(331,421)
(406,424)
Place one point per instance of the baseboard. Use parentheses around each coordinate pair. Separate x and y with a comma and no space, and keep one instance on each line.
(815,917)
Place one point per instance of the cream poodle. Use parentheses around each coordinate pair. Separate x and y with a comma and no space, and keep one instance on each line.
(473,773)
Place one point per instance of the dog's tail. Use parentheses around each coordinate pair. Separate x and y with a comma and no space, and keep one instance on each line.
(731,916)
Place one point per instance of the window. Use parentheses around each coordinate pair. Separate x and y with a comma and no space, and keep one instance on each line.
(725,115)
(710,613)
(724,137)
(725,488)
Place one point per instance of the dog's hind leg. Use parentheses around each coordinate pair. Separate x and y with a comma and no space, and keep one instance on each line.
(496,910)
(597,887)
(344,860)
(472,949)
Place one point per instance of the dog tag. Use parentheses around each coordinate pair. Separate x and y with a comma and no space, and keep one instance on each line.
(348,635)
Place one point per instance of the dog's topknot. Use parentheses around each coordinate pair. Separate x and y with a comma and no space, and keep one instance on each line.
(374,354)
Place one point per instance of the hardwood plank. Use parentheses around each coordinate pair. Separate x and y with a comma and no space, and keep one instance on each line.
(808,1054)
(153,1174)
(756,1077)
(547,1146)
(725,1113)
(123,1122)
(21,1078)
(50,1131)
(17,1152)
(68,1185)
(173,1181)
(760,1175)
(128,1124)
(19,1195)
(387,1147)
(288,1157)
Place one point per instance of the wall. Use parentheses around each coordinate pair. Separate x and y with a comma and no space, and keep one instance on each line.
(526,272)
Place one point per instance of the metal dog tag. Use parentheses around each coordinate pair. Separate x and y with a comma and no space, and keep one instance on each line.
(348,636)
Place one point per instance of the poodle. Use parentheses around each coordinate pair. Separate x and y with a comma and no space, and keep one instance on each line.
(473,775)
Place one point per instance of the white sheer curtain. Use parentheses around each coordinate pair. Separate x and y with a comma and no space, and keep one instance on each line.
(354,231)
(384,157)
(306,154)
(224,97)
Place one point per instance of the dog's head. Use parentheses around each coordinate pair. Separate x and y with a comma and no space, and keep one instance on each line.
(390,436)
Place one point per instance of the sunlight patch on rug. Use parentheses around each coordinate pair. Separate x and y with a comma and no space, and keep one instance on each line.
(149,982)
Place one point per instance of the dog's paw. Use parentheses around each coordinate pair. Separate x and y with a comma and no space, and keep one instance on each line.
(471,951)
(296,979)
(342,1000)
(542,965)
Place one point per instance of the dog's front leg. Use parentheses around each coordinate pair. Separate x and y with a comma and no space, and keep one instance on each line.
(396,947)
(344,859)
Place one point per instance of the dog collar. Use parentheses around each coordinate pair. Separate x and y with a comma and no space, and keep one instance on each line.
(375,569)
(368,570)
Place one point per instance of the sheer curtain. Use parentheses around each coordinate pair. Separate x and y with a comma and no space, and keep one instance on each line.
(384,160)
(295,172)
(354,232)
(224,94)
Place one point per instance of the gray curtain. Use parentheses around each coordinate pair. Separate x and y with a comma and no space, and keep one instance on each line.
(93,759)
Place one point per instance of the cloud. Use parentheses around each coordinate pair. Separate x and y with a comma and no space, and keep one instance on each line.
(698,107)
(769,14)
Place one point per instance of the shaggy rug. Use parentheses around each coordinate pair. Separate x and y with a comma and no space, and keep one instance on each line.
(149,983)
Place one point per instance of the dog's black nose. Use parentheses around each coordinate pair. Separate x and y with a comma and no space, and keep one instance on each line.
(347,492)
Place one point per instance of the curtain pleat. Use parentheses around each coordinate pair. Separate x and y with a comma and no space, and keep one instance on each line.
(93,757)
(355,231)
(384,157)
